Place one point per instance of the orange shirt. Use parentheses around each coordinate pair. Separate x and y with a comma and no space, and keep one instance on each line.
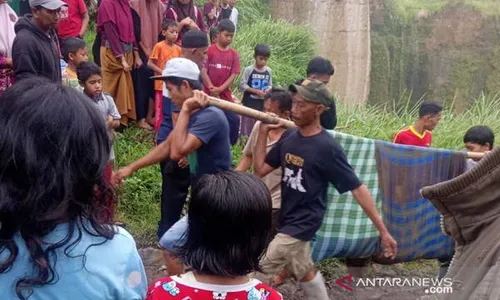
(162,53)
(410,136)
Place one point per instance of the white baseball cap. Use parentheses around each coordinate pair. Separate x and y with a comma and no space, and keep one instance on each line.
(180,67)
(47,4)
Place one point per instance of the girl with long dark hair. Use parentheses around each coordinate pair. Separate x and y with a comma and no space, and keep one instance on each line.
(54,243)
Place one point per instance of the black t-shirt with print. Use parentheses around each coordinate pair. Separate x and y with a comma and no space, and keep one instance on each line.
(308,164)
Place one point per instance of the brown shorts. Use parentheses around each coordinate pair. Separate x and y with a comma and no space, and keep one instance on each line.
(286,252)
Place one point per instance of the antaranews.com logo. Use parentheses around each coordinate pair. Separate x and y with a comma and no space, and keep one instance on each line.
(430,285)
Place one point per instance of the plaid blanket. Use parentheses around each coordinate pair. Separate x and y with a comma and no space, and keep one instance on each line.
(346,230)
(394,175)
(412,220)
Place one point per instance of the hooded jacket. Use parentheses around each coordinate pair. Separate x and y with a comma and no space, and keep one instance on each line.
(470,208)
(34,52)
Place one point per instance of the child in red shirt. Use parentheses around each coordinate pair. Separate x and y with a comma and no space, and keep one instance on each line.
(222,256)
(74,20)
(420,134)
(221,69)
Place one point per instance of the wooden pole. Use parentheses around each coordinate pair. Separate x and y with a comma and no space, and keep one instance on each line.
(248,112)
(261,116)
(475,155)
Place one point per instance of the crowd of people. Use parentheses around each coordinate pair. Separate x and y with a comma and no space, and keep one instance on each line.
(155,65)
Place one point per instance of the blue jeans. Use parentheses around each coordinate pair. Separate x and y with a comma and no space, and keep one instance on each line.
(175,236)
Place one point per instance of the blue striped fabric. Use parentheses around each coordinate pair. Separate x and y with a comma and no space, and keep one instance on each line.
(414,221)
(394,174)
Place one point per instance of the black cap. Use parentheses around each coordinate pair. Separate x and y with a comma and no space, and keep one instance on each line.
(194,39)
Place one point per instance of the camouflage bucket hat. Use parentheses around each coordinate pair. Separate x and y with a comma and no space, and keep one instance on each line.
(313,91)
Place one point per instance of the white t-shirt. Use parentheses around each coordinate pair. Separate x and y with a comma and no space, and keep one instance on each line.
(234,17)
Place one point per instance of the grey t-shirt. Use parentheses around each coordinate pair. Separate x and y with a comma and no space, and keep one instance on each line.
(107,106)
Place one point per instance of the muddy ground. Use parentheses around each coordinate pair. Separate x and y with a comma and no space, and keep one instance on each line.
(332,270)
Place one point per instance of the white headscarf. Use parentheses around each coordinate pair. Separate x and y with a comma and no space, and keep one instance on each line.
(8,18)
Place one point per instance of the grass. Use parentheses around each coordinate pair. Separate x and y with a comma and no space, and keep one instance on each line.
(291,48)
(140,197)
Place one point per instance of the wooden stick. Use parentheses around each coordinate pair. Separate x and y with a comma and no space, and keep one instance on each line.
(261,116)
(248,112)
(475,155)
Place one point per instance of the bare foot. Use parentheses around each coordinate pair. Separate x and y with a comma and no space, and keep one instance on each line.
(280,278)
(150,121)
(144,125)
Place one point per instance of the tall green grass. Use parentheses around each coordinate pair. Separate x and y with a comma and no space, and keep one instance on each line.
(291,48)
(140,197)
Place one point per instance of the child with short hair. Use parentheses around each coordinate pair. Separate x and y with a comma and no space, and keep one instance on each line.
(478,139)
(255,82)
(322,69)
(213,35)
(90,78)
(220,70)
(278,102)
(162,52)
(221,263)
(74,51)
(420,134)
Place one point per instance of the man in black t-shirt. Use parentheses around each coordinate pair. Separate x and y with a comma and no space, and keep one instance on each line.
(310,159)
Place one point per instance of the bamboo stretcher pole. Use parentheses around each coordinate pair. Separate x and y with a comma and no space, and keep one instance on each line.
(475,155)
(248,112)
(261,116)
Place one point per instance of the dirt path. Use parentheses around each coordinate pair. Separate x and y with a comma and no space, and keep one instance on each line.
(332,270)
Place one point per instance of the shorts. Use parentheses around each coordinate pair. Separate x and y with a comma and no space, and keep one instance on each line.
(286,252)
(175,235)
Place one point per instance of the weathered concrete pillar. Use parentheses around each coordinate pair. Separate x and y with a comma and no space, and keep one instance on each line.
(343,31)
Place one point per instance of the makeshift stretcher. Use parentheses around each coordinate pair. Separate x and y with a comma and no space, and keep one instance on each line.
(394,175)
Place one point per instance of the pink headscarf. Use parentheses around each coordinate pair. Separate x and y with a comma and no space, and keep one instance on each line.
(150,12)
(8,18)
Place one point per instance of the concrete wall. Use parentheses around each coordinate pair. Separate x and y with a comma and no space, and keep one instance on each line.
(343,31)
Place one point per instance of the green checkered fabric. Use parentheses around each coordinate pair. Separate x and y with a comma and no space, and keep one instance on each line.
(346,230)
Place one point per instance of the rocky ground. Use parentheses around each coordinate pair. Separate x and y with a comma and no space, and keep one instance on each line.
(332,270)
